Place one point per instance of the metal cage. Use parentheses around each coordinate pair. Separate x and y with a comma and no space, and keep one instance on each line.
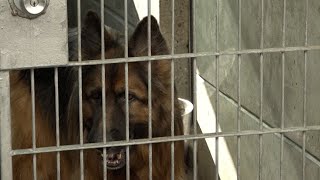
(227,53)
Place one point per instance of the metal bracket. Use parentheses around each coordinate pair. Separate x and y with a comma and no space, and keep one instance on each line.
(29,9)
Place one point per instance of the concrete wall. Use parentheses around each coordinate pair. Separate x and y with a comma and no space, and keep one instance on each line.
(181,40)
(250,82)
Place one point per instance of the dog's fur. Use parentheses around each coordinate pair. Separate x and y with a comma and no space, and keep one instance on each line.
(92,112)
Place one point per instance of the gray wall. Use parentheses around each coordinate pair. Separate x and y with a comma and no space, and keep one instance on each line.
(181,40)
(250,81)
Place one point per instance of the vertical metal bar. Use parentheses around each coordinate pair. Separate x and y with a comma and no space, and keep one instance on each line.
(217,117)
(33,112)
(172,88)
(127,124)
(172,120)
(149,90)
(102,30)
(305,94)
(239,94)
(194,88)
(56,90)
(261,90)
(79,28)
(282,86)
(217,89)
(150,119)
(81,122)
(304,118)
(5,126)
(306,23)
(80,88)
(172,26)
(103,76)
(103,95)
(149,28)
(127,89)
(238,121)
(282,124)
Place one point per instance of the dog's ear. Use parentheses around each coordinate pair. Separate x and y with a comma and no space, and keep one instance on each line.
(90,38)
(138,44)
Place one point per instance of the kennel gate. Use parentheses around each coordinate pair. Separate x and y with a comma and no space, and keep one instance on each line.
(10,62)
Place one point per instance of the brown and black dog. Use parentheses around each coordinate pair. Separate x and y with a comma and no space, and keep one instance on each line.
(92,110)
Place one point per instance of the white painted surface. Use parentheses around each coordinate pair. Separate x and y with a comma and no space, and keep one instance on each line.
(207,122)
(142,8)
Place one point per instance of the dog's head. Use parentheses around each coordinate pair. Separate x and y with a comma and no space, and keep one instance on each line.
(112,96)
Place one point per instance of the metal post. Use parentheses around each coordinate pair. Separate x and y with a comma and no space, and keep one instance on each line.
(261,91)
(282,86)
(5,125)
(239,94)
(194,88)
(217,91)
(172,88)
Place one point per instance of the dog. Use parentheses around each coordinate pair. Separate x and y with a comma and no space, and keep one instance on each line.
(115,101)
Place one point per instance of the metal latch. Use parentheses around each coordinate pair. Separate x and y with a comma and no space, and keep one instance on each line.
(28,8)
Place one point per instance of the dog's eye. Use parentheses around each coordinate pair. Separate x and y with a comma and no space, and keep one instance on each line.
(131,97)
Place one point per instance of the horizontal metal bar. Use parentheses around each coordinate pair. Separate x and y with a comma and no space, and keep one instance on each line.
(177,56)
(160,140)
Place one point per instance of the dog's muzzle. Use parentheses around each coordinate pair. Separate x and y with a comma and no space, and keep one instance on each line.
(115,157)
